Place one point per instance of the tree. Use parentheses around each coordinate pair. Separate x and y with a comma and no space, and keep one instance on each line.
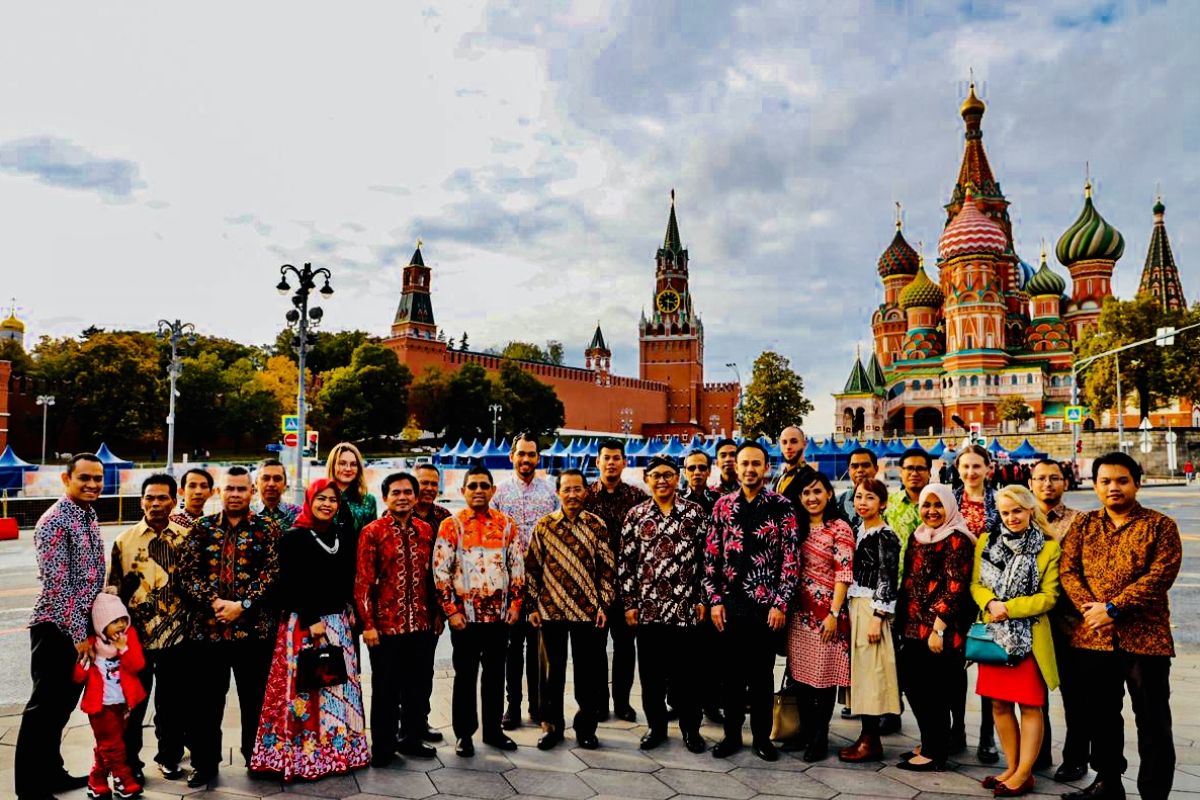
(468,395)
(529,405)
(280,377)
(1013,408)
(412,431)
(528,351)
(774,399)
(368,398)
(251,409)
(427,399)
(199,410)
(463,342)
(117,391)
(11,351)
(330,351)
(1183,356)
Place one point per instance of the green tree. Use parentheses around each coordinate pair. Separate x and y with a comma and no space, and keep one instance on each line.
(11,351)
(427,399)
(368,398)
(774,399)
(251,407)
(199,410)
(529,405)
(117,391)
(528,351)
(330,351)
(1013,408)
(1183,356)
(468,395)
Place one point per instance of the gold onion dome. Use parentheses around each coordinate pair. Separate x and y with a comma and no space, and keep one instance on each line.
(972,231)
(899,258)
(1045,281)
(922,293)
(1090,237)
(12,324)
(972,105)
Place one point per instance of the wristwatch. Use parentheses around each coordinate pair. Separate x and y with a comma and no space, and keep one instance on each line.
(246,605)
(1112,610)
(940,634)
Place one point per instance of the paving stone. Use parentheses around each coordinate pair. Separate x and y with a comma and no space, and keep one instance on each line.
(874,784)
(781,782)
(396,783)
(334,786)
(626,784)
(704,784)
(548,784)
(234,781)
(789,762)
(674,754)
(471,783)
(486,759)
(946,782)
(625,760)
(560,759)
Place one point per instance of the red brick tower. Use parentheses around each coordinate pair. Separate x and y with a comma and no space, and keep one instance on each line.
(414,336)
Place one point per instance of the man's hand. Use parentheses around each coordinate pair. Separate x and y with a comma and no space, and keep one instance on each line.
(513,616)
(776,619)
(998,610)
(828,629)
(371,637)
(602,618)
(458,621)
(85,651)
(631,617)
(1095,616)
(227,611)
(718,617)
(535,619)
(875,632)
(701,611)
(439,625)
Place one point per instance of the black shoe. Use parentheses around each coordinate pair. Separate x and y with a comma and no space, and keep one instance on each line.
(587,741)
(465,747)
(500,742)
(766,751)
(846,713)
(694,742)
(1068,773)
(889,724)
(1100,789)
(652,739)
(68,783)
(381,759)
(512,718)
(727,747)
(928,766)
(625,713)
(715,715)
(795,744)
(139,775)
(170,772)
(432,734)
(817,751)
(550,739)
(603,715)
(535,716)
(957,744)
(672,714)
(416,749)
(987,752)
(201,778)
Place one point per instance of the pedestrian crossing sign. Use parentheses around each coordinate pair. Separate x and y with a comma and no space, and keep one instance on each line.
(290,423)
(1075,414)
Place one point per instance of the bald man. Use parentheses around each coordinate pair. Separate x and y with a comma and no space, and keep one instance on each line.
(791,445)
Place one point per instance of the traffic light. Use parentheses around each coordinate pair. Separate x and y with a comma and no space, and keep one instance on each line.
(1079,446)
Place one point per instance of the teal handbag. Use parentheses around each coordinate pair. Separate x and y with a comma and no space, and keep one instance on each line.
(982,649)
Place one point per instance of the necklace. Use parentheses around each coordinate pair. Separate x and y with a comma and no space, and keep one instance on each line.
(331,550)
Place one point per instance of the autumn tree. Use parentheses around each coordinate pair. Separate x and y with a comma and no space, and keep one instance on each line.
(1013,408)
(368,398)
(774,399)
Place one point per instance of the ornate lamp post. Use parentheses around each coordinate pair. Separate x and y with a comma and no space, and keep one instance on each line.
(45,401)
(174,332)
(300,319)
(627,421)
(495,408)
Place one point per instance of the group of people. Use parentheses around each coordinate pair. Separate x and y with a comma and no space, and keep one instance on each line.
(869,594)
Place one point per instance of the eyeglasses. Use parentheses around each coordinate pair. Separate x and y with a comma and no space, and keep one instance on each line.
(476,487)
(915,469)
(697,468)
(1047,479)
(660,477)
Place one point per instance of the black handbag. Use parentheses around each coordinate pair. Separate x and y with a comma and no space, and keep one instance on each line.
(320,668)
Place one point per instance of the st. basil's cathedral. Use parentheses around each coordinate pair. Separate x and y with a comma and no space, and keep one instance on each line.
(990,326)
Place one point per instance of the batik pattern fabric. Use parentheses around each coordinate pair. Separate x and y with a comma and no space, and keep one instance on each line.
(393,589)
(70,559)
(184,518)
(309,735)
(570,572)
(1060,518)
(903,517)
(613,506)
(284,515)
(704,497)
(433,516)
(478,567)
(525,503)
(363,510)
(827,559)
(937,582)
(662,562)
(143,571)
(981,516)
(752,552)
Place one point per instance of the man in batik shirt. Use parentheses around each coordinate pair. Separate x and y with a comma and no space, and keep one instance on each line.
(660,566)
(526,498)
(697,466)
(272,486)
(195,487)
(727,479)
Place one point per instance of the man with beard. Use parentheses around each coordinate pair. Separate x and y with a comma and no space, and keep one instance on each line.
(791,447)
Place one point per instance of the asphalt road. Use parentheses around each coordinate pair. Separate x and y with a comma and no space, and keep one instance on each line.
(19,587)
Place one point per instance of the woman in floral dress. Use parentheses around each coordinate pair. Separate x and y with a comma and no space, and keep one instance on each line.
(818,632)
(310,734)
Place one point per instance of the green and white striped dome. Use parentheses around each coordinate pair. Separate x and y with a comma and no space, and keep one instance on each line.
(1091,237)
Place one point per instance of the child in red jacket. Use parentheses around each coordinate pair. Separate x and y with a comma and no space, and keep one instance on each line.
(112,689)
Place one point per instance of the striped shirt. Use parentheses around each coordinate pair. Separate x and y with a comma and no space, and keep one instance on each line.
(570,572)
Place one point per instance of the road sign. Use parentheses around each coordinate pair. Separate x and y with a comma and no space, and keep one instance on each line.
(1075,414)
(1145,426)
(289,423)
(1172,437)
(291,439)
(1145,447)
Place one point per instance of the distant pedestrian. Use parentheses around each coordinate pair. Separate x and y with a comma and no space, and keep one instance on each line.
(70,557)
(1189,470)
(346,469)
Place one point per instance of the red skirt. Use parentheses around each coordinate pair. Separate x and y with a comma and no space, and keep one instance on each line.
(1021,684)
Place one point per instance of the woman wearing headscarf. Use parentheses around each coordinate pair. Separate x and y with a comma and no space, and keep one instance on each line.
(310,734)
(1015,584)
(933,596)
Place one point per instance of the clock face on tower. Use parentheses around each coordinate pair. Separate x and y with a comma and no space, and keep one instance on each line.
(667,301)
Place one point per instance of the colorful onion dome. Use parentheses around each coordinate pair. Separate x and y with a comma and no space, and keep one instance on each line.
(922,293)
(899,258)
(1026,273)
(1046,281)
(1090,237)
(972,105)
(12,324)
(972,231)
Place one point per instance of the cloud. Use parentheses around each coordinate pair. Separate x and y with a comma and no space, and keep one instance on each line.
(59,162)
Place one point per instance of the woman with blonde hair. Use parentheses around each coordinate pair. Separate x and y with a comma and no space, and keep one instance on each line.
(345,468)
(1015,584)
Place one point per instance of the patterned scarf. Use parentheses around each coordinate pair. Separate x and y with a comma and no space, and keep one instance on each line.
(1009,568)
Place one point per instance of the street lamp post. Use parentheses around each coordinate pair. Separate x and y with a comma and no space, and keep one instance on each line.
(300,318)
(45,401)
(495,408)
(174,332)
(627,421)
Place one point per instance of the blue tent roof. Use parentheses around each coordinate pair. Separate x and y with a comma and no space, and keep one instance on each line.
(996,447)
(654,447)
(674,449)
(478,449)
(555,449)
(811,448)
(1026,450)
(500,449)
(109,458)
(10,460)
(938,449)
(458,449)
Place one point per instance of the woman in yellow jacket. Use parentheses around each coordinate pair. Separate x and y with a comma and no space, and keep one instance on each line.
(1015,583)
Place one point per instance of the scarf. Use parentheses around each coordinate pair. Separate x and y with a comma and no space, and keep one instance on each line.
(305,518)
(1008,566)
(954,519)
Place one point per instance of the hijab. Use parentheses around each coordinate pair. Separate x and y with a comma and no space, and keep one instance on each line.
(306,519)
(954,519)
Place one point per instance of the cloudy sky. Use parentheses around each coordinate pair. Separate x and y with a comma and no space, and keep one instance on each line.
(158,160)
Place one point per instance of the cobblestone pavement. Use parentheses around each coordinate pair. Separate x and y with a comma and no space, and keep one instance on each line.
(619,770)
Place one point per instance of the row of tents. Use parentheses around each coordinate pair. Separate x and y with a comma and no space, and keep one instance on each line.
(13,469)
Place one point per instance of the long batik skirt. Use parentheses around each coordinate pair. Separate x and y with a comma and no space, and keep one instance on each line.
(311,734)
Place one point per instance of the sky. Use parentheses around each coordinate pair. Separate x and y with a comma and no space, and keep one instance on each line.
(162,161)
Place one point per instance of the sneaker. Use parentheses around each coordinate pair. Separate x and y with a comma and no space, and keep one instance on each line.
(126,791)
(171,772)
(98,793)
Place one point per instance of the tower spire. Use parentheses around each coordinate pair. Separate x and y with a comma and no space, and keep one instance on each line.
(1160,275)
(672,241)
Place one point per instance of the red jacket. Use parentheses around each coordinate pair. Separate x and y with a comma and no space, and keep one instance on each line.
(132,662)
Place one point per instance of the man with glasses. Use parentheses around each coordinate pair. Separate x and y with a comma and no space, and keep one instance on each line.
(727,466)
(697,466)
(660,567)
(902,515)
(479,574)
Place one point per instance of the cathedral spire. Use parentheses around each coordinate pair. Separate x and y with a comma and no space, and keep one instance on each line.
(1160,276)
(672,241)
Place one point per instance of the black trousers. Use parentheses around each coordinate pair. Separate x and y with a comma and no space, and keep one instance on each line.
(708,643)
(958,710)
(523,655)
(1077,743)
(748,651)
(1105,677)
(401,685)
(249,661)
(668,664)
(930,681)
(816,711)
(587,653)
(480,644)
(55,694)
(166,672)
(624,659)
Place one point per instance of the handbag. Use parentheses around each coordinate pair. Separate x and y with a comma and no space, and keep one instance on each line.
(320,668)
(982,649)
(785,714)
